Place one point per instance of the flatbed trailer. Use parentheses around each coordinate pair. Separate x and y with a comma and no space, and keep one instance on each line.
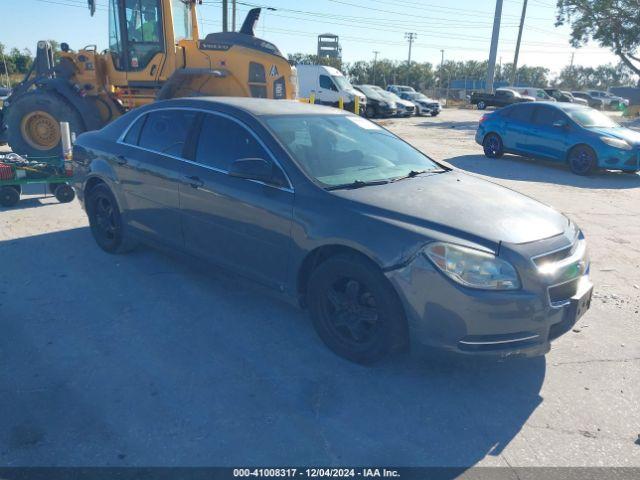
(16,171)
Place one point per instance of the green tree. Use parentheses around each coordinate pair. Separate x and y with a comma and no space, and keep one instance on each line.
(613,24)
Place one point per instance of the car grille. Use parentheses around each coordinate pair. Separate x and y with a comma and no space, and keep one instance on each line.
(556,256)
(562,293)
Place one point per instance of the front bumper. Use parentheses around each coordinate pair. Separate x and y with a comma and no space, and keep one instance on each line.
(446,315)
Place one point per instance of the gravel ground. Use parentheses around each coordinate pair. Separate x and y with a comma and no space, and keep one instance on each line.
(146,359)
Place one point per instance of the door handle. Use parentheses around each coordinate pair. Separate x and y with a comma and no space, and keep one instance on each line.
(121,160)
(195,181)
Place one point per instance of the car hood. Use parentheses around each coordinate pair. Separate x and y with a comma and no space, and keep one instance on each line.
(459,205)
(406,103)
(631,136)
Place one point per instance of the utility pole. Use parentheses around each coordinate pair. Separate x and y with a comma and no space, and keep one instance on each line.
(515,58)
(375,60)
(494,46)
(411,37)
(233,15)
(225,15)
(441,67)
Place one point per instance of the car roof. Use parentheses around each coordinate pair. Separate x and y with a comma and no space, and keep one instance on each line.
(253,106)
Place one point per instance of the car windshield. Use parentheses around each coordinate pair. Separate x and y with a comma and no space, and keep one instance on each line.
(369,92)
(588,117)
(340,150)
(341,82)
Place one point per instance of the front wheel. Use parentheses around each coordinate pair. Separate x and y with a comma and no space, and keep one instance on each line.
(582,160)
(492,146)
(355,310)
(370,111)
(105,220)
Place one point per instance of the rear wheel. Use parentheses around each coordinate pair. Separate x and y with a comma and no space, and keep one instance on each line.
(105,220)
(9,195)
(582,160)
(33,122)
(355,310)
(64,193)
(492,146)
(482,105)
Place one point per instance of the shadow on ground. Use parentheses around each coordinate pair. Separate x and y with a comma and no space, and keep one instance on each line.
(144,359)
(512,167)
(455,125)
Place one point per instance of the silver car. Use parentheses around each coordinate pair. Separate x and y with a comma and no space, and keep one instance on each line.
(384,246)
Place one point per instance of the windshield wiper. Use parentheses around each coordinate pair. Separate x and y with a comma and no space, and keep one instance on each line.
(356,184)
(415,173)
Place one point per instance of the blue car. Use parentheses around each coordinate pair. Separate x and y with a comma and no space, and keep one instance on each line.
(582,137)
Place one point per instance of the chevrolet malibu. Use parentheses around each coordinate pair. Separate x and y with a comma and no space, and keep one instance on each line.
(579,136)
(384,246)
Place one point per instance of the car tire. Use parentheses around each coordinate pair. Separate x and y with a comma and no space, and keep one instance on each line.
(9,195)
(64,193)
(482,105)
(434,114)
(106,222)
(33,122)
(493,146)
(355,310)
(582,160)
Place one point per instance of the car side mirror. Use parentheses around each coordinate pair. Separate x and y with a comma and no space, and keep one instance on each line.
(562,124)
(255,169)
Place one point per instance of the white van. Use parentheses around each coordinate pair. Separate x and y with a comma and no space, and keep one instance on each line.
(538,93)
(327,84)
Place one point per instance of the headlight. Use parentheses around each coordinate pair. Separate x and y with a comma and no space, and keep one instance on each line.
(473,268)
(616,142)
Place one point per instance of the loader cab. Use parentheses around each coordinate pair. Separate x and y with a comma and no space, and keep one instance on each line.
(136,33)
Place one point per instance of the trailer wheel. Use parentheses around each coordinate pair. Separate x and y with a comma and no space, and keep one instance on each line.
(53,187)
(64,193)
(33,122)
(9,196)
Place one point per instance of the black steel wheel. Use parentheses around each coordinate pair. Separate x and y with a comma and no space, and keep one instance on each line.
(492,146)
(9,195)
(105,220)
(355,310)
(64,193)
(582,160)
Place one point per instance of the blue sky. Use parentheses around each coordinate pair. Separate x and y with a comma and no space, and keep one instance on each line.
(461,27)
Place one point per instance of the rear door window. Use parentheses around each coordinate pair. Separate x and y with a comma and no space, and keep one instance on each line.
(521,113)
(165,131)
(133,134)
(546,116)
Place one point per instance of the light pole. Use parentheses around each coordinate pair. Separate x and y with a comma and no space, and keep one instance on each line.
(493,53)
(375,60)
(517,54)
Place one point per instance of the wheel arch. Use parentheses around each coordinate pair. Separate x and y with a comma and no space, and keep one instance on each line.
(319,255)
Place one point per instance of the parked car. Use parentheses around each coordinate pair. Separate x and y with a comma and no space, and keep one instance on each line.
(398,89)
(565,132)
(579,101)
(559,95)
(405,107)
(328,85)
(424,105)
(502,97)
(538,94)
(609,100)
(592,101)
(382,244)
(377,104)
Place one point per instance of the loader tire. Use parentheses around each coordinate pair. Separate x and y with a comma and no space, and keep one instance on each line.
(33,122)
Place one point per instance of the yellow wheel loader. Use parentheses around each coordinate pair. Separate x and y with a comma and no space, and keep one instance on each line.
(155,52)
